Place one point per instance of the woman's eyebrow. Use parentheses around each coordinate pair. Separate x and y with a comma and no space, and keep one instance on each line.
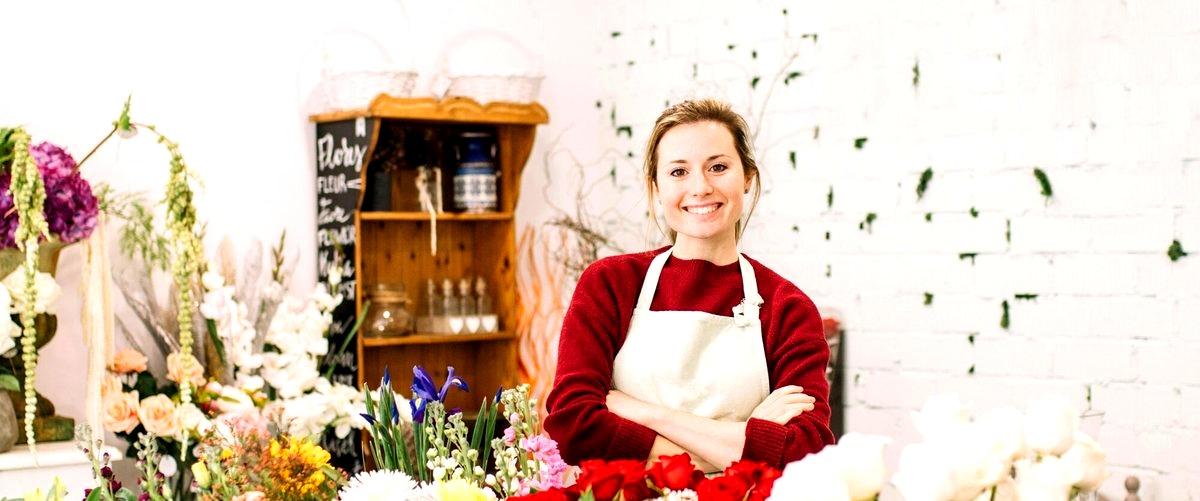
(714,157)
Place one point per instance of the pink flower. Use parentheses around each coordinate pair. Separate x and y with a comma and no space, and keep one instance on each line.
(553,468)
(121,412)
(126,361)
(510,436)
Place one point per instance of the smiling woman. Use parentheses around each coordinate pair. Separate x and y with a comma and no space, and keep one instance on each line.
(693,347)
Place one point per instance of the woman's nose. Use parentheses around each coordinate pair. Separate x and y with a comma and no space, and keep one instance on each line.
(699,184)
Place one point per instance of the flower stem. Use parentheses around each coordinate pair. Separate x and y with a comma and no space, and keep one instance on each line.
(96,147)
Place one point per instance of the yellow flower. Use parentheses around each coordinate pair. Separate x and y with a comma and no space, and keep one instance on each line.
(461,490)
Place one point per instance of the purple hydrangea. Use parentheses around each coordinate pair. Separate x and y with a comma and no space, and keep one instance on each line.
(70,207)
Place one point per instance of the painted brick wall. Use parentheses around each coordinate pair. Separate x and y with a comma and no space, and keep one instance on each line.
(1103,96)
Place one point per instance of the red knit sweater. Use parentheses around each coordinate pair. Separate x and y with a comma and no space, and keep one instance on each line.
(594,329)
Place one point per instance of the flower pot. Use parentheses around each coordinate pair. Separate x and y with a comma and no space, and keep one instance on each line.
(8,423)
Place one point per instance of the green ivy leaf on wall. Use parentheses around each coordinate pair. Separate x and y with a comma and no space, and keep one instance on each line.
(916,72)
(923,184)
(968,255)
(625,129)
(792,76)
(859,142)
(1175,251)
(792,159)
(974,212)
(867,221)
(1047,191)
(1004,314)
(829,198)
(616,34)
(1008,230)
(754,82)
(1025,297)
(928,217)
(928,299)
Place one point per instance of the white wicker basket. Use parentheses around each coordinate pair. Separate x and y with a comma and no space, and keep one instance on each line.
(355,89)
(493,88)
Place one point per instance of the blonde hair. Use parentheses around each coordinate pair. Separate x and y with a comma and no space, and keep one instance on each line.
(702,110)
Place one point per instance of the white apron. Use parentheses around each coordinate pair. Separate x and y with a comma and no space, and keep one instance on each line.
(709,365)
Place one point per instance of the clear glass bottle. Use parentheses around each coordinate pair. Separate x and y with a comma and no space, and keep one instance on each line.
(470,318)
(451,308)
(488,321)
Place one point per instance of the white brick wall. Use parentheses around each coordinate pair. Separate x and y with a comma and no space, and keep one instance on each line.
(1104,96)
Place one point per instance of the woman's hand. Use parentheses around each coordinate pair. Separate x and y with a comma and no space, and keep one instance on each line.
(782,405)
(628,407)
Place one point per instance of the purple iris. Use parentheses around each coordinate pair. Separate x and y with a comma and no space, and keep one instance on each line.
(425,391)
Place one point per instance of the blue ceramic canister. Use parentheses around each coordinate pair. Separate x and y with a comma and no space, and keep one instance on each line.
(475,179)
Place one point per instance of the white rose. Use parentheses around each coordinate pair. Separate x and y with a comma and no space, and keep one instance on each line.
(335,276)
(8,328)
(212,280)
(813,478)
(157,414)
(7,343)
(192,419)
(1087,458)
(1006,490)
(923,473)
(47,290)
(1050,425)
(230,399)
(1047,480)
(940,414)
(860,459)
(1003,427)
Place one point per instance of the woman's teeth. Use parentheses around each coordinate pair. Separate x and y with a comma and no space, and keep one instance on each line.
(701,210)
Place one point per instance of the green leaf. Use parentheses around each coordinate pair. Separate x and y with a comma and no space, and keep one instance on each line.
(928,217)
(754,82)
(923,184)
(792,76)
(625,129)
(8,382)
(214,338)
(827,235)
(1175,251)
(971,338)
(1025,297)
(859,143)
(731,46)
(971,371)
(928,299)
(916,73)
(1004,315)
(867,222)
(616,34)
(795,228)
(1047,191)
(968,255)
(145,384)
(974,212)
(1008,230)
(829,198)
(828,271)
(792,159)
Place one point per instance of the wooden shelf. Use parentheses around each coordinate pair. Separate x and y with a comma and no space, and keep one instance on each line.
(454,109)
(424,338)
(445,216)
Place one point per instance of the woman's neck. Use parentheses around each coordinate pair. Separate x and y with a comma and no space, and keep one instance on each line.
(718,250)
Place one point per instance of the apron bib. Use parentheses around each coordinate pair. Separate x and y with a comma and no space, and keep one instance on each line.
(709,365)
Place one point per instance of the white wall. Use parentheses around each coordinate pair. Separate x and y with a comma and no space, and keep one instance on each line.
(1005,86)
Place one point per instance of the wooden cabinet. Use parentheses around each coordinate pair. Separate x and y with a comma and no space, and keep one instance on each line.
(393,247)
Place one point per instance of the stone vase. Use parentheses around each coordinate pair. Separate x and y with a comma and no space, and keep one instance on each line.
(8,423)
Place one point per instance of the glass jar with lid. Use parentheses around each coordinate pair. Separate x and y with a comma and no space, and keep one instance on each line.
(389,314)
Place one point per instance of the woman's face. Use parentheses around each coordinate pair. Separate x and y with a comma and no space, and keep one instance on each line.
(700,181)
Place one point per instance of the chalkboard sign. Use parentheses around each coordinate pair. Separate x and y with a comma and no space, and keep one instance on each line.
(341,147)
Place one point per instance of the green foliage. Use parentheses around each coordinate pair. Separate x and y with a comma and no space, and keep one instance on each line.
(859,143)
(867,222)
(928,299)
(615,34)
(828,271)
(923,183)
(916,73)
(1008,230)
(928,217)
(1175,251)
(1044,181)
(1004,314)
(1025,297)
(625,129)
(754,81)
(792,159)
(971,338)
(968,255)
(792,76)
(829,198)
(971,371)
(8,382)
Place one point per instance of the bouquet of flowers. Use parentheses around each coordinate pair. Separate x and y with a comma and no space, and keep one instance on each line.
(429,453)
(1001,455)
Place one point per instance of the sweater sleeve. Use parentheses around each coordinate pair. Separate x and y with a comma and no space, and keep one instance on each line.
(797,354)
(578,417)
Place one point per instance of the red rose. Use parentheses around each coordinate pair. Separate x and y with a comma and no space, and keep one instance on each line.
(606,479)
(550,495)
(759,476)
(723,488)
(675,473)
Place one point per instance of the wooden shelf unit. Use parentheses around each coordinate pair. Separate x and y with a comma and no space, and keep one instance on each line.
(394,247)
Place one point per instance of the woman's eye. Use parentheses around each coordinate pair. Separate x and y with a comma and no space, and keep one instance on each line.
(718,167)
(678,172)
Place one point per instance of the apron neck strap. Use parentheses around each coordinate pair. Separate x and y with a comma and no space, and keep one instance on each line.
(650,283)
